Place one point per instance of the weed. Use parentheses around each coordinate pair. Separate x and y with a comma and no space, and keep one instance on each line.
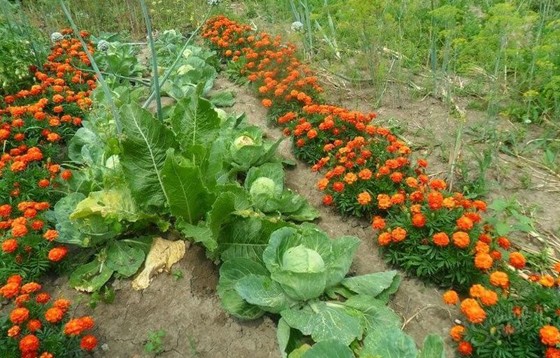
(155,344)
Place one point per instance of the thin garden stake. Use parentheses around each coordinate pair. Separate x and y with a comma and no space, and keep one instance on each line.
(154,58)
(95,68)
(179,55)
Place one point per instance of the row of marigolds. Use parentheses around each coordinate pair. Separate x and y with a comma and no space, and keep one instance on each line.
(421,227)
(35,125)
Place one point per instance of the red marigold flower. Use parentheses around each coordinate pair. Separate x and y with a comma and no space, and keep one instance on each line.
(441,239)
(465,348)
(29,343)
(517,260)
(550,335)
(327,200)
(450,297)
(552,353)
(504,243)
(34,325)
(338,186)
(88,343)
(19,315)
(43,298)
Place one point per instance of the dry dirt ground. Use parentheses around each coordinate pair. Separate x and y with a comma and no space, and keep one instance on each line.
(188,309)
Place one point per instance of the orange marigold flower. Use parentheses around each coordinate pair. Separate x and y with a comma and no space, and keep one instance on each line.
(398,234)
(50,235)
(483,261)
(496,255)
(441,239)
(364,198)
(73,327)
(418,220)
(472,310)
(14,331)
(365,174)
(461,239)
(457,332)
(383,201)
(29,343)
(517,311)
(517,260)
(450,297)
(397,198)
(10,290)
(437,184)
(30,287)
(87,322)
(546,280)
(465,348)
(396,177)
(464,223)
(327,200)
(88,343)
(476,291)
(58,253)
(378,223)
(556,267)
(19,315)
(489,298)
(435,200)
(54,315)
(266,102)
(499,279)
(350,178)
(62,303)
(9,246)
(46,355)
(384,239)
(19,230)
(481,247)
(550,335)
(552,353)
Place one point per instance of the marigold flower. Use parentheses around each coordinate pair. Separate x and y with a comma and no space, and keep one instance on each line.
(489,298)
(384,239)
(30,287)
(418,220)
(464,223)
(19,315)
(517,260)
(43,298)
(504,243)
(457,332)
(499,279)
(435,200)
(441,239)
(517,311)
(58,253)
(483,261)
(338,186)
(397,199)
(437,184)
(73,327)
(465,348)
(54,315)
(62,303)
(46,355)
(87,322)
(496,255)
(550,335)
(88,343)
(10,290)
(378,223)
(552,353)
(383,201)
(365,174)
(14,331)
(327,200)
(350,178)
(9,246)
(546,280)
(476,291)
(19,230)
(266,102)
(29,343)
(450,297)
(472,310)
(481,247)
(396,177)
(34,325)
(364,198)
(461,239)
(398,234)
(50,235)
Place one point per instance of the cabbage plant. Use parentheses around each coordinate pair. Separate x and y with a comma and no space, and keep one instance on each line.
(302,277)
